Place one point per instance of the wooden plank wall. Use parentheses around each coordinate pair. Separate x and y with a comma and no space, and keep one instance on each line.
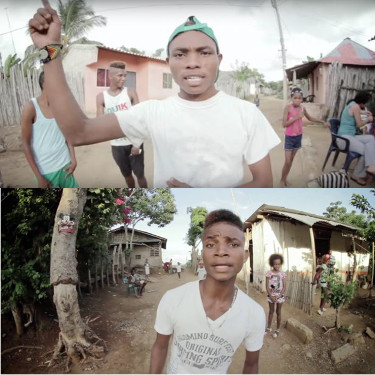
(344,82)
(21,86)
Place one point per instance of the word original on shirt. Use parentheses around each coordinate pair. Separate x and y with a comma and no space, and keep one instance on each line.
(211,351)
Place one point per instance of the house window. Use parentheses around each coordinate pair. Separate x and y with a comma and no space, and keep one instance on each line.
(154,253)
(167,80)
(102,78)
(137,257)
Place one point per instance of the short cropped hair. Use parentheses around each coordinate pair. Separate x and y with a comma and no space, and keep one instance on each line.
(117,64)
(273,257)
(41,80)
(362,97)
(220,216)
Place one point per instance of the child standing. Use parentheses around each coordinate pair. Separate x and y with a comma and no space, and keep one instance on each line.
(292,122)
(275,285)
(321,277)
(201,271)
(179,270)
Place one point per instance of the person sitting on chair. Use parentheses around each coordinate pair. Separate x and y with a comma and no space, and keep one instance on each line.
(362,144)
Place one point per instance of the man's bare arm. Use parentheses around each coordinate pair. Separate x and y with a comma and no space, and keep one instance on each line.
(262,174)
(100,104)
(133,96)
(251,365)
(159,353)
(45,28)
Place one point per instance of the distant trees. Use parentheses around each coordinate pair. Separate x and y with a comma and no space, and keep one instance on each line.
(242,72)
(132,50)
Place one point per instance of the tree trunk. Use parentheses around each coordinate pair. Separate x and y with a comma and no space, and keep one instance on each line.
(113,265)
(121,261)
(101,273)
(96,277)
(107,272)
(338,320)
(17,316)
(75,337)
(89,277)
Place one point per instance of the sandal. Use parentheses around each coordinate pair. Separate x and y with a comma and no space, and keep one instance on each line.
(276,333)
(268,330)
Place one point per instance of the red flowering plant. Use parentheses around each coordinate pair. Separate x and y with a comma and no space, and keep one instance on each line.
(123,211)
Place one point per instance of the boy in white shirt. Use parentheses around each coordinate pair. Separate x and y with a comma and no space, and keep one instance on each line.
(202,137)
(210,318)
(201,271)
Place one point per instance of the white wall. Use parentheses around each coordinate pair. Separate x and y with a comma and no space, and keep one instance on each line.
(290,240)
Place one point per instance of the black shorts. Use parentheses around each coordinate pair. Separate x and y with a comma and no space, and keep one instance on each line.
(128,163)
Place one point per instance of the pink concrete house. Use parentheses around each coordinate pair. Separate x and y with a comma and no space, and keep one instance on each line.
(150,76)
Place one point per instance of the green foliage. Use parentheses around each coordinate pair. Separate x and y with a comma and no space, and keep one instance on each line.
(197,217)
(77,19)
(99,214)
(27,224)
(363,221)
(9,63)
(155,205)
(158,52)
(242,72)
(340,293)
(132,50)
(308,59)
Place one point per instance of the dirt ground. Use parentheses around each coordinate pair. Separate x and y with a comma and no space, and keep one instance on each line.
(126,324)
(96,167)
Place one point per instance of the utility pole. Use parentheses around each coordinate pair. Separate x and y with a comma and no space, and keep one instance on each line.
(285,81)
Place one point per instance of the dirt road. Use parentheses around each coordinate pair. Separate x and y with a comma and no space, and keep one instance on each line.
(126,324)
(96,167)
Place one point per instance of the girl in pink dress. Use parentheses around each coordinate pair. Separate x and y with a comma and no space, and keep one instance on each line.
(275,285)
(292,122)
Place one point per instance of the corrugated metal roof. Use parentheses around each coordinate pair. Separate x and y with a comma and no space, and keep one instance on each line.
(347,52)
(303,217)
(350,52)
(131,53)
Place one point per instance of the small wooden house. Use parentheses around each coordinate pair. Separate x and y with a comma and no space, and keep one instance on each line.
(336,78)
(301,238)
(144,246)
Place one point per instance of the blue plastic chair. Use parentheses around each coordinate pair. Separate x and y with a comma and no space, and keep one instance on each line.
(350,155)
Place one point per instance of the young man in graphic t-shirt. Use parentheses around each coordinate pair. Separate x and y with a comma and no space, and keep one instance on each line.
(209,319)
(129,158)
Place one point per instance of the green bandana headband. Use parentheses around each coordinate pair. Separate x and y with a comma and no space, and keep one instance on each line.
(192,23)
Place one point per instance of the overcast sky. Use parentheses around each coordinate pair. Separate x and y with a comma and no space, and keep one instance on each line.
(247,201)
(246,30)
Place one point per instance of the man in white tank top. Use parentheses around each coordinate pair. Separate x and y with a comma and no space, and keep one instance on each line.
(51,158)
(128,157)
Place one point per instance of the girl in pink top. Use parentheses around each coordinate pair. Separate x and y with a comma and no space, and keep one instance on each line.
(292,122)
(275,285)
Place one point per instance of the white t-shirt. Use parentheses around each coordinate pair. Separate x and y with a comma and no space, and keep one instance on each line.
(178,267)
(201,273)
(201,143)
(201,345)
(147,268)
